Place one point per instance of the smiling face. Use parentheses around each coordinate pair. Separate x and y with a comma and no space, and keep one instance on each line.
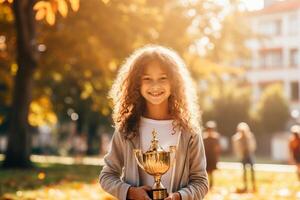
(155,85)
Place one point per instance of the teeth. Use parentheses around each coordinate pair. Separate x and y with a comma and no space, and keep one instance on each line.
(155,94)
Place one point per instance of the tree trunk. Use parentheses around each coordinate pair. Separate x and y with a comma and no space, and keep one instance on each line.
(19,139)
(92,130)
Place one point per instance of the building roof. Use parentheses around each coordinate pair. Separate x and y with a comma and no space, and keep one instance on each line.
(282,6)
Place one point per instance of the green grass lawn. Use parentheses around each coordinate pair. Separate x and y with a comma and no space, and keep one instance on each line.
(64,182)
(46,180)
(270,186)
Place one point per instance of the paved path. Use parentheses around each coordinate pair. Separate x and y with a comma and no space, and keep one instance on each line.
(99,161)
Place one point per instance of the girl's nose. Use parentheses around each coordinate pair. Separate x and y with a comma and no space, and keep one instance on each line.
(155,84)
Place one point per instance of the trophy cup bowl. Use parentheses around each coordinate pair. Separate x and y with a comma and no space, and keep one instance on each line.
(155,162)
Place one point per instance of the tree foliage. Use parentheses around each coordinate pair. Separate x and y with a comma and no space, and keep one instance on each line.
(228,104)
(272,110)
(19,139)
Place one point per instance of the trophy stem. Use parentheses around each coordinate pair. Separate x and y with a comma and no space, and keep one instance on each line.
(157,184)
(158,192)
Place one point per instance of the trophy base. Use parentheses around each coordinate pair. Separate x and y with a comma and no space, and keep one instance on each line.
(158,194)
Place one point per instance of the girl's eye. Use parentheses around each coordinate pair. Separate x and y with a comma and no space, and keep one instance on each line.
(145,78)
(164,78)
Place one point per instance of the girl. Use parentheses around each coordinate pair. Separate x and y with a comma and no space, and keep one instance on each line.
(153,90)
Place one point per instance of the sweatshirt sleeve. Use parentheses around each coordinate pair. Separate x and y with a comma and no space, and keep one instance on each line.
(110,176)
(198,180)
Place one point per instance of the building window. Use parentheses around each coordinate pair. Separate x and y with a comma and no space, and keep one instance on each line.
(295,91)
(293,25)
(271,58)
(294,57)
(270,27)
(277,27)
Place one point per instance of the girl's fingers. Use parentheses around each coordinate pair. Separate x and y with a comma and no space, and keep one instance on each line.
(171,197)
(146,187)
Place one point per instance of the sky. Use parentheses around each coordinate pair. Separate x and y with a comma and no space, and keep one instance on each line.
(250,4)
(254,4)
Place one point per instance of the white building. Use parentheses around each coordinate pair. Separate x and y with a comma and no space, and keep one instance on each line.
(276,52)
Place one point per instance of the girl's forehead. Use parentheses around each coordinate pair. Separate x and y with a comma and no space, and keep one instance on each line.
(154,67)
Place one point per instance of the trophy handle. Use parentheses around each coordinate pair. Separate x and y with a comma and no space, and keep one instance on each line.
(172,149)
(139,158)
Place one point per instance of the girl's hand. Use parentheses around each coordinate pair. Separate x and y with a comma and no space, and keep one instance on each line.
(138,193)
(173,196)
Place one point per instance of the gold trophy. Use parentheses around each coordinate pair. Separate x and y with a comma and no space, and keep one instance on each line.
(156,162)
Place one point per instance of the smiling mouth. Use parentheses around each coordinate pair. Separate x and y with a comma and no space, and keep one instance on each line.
(155,94)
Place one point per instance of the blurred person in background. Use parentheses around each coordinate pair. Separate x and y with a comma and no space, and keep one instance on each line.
(211,140)
(294,147)
(244,146)
(79,147)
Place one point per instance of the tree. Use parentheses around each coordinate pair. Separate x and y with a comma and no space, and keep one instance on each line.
(18,149)
(272,111)
(229,47)
(19,140)
(229,106)
(224,95)
(6,64)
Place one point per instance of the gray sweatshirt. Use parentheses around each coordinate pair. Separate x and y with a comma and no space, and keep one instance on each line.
(120,170)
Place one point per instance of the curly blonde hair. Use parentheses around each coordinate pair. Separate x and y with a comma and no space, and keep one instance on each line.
(129,104)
